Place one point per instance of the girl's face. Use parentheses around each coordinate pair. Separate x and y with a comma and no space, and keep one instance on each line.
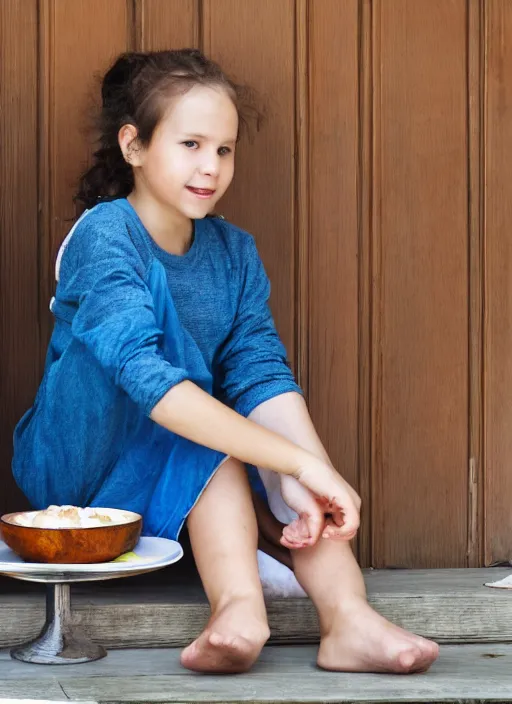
(189,162)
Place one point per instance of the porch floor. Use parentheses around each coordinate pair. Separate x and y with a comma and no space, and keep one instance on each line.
(135,619)
(160,610)
(284,674)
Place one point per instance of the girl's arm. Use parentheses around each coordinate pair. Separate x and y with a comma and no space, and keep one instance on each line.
(288,415)
(194,414)
(189,411)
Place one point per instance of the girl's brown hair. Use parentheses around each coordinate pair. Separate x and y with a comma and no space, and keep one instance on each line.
(136,90)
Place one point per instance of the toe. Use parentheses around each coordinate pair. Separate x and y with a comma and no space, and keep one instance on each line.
(430,654)
(433,650)
(239,645)
(188,654)
(429,650)
(216,640)
(409,660)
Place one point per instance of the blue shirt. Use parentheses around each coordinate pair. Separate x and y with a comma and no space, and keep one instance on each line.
(220,291)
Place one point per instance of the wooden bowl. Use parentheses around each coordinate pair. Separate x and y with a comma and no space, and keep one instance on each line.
(71,545)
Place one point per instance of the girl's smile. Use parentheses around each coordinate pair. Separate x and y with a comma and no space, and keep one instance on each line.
(201,192)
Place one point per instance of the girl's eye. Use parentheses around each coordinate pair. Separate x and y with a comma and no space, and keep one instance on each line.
(224,150)
(191,144)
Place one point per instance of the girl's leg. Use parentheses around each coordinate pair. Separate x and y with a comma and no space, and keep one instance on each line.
(270,531)
(224,537)
(354,638)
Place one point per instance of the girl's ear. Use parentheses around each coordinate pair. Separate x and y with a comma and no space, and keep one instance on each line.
(129,144)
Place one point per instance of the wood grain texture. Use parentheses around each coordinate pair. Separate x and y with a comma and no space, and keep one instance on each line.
(32,691)
(365,206)
(450,606)
(19,331)
(333,245)
(476,143)
(71,96)
(498,284)
(420,306)
(258,50)
(302,209)
(166,24)
(286,675)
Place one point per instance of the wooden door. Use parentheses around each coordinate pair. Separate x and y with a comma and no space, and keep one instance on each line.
(379,196)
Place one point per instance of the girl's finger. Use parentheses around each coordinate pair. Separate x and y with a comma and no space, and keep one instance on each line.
(344,531)
(332,531)
(296,532)
(350,516)
(291,533)
(338,533)
(315,526)
(351,521)
(293,544)
(338,517)
(305,531)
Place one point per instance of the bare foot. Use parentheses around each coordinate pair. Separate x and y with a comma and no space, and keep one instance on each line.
(361,640)
(231,642)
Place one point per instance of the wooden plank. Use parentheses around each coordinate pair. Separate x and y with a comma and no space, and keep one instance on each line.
(333,246)
(286,675)
(302,210)
(254,41)
(40,701)
(420,401)
(19,330)
(33,689)
(70,95)
(446,605)
(24,700)
(166,24)
(476,283)
(365,284)
(498,290)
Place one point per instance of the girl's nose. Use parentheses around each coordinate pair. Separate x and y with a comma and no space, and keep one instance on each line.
(210,166)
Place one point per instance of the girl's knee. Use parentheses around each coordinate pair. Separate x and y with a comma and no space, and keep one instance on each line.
(228,485)
(230,466)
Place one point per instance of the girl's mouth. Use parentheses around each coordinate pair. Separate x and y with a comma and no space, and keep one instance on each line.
(201,192)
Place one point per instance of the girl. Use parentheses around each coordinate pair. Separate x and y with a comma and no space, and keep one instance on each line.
(165,375)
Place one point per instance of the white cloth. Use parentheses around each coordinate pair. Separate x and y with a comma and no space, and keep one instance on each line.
(277,580)
(505,583)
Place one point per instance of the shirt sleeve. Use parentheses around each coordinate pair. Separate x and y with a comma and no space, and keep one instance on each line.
(253,365)
(115,317)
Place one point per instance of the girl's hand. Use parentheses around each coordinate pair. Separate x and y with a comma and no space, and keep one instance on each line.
(305,530)
(321,491)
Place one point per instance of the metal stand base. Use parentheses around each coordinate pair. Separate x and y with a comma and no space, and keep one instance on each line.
(60,642)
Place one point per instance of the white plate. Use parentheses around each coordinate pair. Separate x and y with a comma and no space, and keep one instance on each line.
(155,553)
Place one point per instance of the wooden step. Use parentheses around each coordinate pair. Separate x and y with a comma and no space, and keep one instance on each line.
(283,675)
(450,606)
